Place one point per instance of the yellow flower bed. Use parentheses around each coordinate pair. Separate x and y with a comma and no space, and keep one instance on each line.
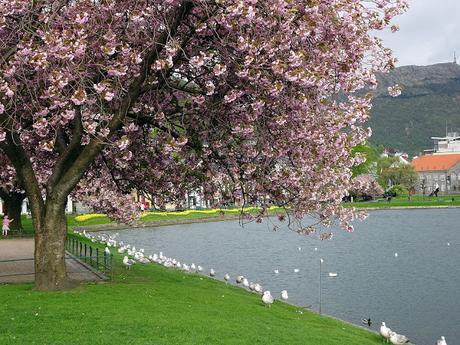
(85,217)
(207,211)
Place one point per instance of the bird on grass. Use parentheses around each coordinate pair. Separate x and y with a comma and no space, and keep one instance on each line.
(267,298)
(199,268)
(284,295)
(226,277)
(442,341)
(239,279)
(245,283)
(398,339)
(385,332)
(212,273)
(128,262)
(144,260)
(258,288)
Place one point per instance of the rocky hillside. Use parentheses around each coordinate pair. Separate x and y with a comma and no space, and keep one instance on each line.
(431,96)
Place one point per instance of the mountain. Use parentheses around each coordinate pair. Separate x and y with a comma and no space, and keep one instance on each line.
(430,99)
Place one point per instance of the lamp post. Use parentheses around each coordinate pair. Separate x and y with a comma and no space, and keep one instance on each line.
(320,268)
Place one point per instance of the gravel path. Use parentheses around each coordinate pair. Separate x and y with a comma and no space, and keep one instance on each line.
(21,269)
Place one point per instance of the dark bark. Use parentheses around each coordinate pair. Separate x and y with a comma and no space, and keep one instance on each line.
(50,266)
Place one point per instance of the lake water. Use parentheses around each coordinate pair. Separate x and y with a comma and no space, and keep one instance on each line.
(417,293)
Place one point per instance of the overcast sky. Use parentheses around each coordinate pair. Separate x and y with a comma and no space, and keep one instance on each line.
(429,33)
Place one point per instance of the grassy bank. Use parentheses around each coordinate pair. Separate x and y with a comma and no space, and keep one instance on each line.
(416,201)
(152,305)
(97,219)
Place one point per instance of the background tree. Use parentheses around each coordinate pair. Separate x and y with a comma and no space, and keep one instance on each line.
(11,193)
(242,88)
(401,175)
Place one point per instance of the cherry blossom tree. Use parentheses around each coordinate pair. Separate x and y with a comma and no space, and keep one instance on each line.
(365,186)
(249,89)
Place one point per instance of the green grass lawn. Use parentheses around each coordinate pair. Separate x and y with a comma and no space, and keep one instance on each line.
(152,305)
(96,219)
(416,201)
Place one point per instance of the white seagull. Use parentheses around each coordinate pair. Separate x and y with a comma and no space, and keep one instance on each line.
(226,277)
(258,288)
(398,339)
(239,279)
(128,262)
(296,270)
(199,268)
(212,273)
(284,295)
(442,341)
(385,332)
(245,282)
(267,298)
(276,271)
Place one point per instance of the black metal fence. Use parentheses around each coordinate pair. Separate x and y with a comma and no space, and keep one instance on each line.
(92,256)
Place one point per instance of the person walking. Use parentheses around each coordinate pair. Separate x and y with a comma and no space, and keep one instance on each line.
(6,225)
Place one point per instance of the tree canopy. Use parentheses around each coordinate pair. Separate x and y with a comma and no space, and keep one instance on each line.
(184,92)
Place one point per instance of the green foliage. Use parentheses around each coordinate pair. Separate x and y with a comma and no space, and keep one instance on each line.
(150,304)
(398,190)
(403,175)
(372,154)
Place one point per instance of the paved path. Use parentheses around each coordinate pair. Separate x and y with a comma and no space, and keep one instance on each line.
(21,271)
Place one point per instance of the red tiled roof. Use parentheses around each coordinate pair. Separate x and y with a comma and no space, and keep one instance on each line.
(435,162)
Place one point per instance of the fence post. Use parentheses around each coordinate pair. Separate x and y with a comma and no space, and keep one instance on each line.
(97,258)
(111,267)
(90,254)
(81,249)
(85,252)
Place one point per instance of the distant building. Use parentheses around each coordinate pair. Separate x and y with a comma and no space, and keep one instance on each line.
(440,168)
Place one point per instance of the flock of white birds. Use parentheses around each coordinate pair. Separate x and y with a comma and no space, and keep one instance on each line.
(134,256)
(399,339)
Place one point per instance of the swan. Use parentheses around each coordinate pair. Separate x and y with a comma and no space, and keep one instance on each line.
(284,295)
(385,332)
(398,339)
(267,298)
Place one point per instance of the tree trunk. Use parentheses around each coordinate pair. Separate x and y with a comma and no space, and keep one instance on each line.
(13,208)
(50,237)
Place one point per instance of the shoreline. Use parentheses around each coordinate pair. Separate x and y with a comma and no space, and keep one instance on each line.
(154,224)
(160,223)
